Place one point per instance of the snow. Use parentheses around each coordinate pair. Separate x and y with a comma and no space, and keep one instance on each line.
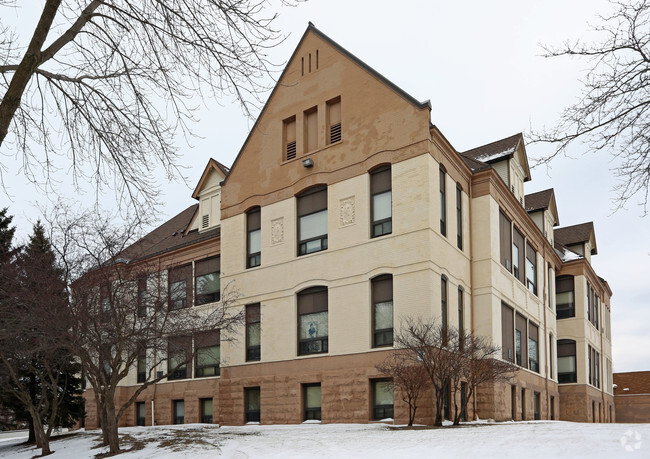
(570,255)
(543,439)
(493,156)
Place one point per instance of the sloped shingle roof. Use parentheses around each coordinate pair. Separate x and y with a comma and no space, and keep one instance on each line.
(538,201)
(168,236)
(576,234)
(496,150)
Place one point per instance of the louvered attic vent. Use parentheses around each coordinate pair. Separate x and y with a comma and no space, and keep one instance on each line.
(335,133)
(206,221)
(291,150)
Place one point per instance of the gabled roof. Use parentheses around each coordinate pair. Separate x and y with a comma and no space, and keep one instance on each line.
(312,28)
(576,234)
(542,200)
(473,164)
(168,236)
(213,165)
(565,253)
(498,151)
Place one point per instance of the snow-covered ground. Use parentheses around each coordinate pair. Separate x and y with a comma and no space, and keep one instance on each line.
(545,439)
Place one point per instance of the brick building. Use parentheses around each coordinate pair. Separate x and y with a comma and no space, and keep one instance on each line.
(346,210)
(632,396)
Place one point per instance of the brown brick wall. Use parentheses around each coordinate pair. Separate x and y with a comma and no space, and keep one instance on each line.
(632,408)
(577,402)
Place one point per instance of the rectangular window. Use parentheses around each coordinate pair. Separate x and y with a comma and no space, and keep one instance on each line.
(531,268)
(443,203)
(142,297)
(536,404)
(446,401)
(444,316)
(208,353)
(253,332)
(463,401)
(206,410)
(382,311)
(382,202)
(550,356)
(289,138)
(179,412)
(179,350)
(505,240)
(461,319)
(140,414)
(312,321)
(180,286)
(382,397)
(253,238)
(312,221)
(507,337)
(590,364)
(566,361)
(311,129)
(208,284)
(142,366)
(564,297)
(533,349)
(518,255)
(521,341)
(552,402)
(334,120)
(252,404)
(105,302)
(523,404)
(459,217)
(312,401)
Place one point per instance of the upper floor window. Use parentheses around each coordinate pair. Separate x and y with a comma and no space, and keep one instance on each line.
(459,217)
(505,240)
(310,126)
(253,238)
(564,297)
(382,310)
(289,138)
(312,220)
(253,332)
(461,317)
(566,361)
(142,296)
(312,321)
(208,353)
(180,286)
(334,120)
(141,363)
(531,268)
(533,347)
(207,280)
(443,203)
(518,255)
(592,306)
(382,201)
(179,350)
(594,367)
(521,347)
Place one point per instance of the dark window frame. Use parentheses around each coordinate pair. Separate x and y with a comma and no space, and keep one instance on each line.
(142,299)
(383,411)
(249,414)
(380,184)
(253,320)
(310,301)
(178,419)
(566,348)
(178,345)
(444,308)
(141,367)
(461,318)
(443,201)
(179,286)
(140,420)
(206,418)
(207,340)
(382,292)
(301,200)
(253,225)
(565,284)
(459,217)
(311,413)
(203,268)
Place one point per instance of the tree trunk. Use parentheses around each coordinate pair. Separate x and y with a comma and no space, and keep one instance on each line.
(32,434)
(109,423)
(42,440)
(439,397)
(412,408)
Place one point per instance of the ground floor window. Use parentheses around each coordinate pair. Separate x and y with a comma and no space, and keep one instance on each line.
(312,397)
(252,404)
(382,396)
(206,410)
(552,408)
(179,412)
(140,414)
(523,404)
(536,404)
(463,401)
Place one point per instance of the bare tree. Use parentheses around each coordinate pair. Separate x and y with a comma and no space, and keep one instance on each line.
(104,86)
(481,365)
(127,316)
(408,377)
(613,114)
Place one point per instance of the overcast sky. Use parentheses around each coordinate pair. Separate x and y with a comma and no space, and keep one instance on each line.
(479,64)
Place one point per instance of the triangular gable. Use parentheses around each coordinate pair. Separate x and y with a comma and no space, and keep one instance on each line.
(213,167)
(312,29)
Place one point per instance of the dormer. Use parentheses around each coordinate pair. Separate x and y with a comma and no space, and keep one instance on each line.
(208,193)
(580,239)
(542,209)
(509,160)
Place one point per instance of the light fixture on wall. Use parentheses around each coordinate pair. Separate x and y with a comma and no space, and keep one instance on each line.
(308,162)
